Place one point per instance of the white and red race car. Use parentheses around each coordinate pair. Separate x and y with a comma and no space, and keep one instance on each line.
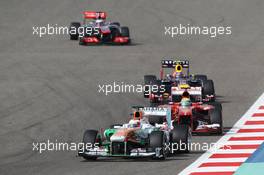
(96,30)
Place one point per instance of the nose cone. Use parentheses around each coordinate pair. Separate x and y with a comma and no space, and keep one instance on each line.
(115,138)
(119,136)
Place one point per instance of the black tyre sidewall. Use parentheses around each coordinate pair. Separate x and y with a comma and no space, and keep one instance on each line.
(208,88)
(89,137)
(216,117)
(148,80)
(125,32)
(75,25)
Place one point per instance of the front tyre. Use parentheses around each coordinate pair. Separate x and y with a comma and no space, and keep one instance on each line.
(81,42)
(74,26)
(216,118)
(89,138)
(209,90)
(125,32)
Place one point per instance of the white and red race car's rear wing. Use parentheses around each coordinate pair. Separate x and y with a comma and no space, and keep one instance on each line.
(94,15)
(191,91)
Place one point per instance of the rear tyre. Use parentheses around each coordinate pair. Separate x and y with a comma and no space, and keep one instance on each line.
(201,77)
(208,89)
(180,139)
(148,80)
(89,137)
(116,23)
(216,118)
(74,26)
(216,104)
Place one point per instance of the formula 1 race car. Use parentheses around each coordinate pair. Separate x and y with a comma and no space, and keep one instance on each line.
(176,81)
(96,30)
(148,134)
(202,118)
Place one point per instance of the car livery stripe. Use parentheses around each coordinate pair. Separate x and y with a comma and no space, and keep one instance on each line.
(238,144)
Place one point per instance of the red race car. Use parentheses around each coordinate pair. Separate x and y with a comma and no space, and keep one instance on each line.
(96,30)
(202,118)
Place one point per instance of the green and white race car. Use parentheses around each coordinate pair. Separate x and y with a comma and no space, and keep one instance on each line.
(148,134)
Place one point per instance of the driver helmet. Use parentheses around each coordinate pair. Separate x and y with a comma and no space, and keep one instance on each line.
(134,123)
(99,21)
(137,115)
(185,101)
(177,75)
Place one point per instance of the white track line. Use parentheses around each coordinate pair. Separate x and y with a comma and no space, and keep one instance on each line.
(225,160)
(213,169)
(253,142)
(253,127)
(255,119)
(257,134)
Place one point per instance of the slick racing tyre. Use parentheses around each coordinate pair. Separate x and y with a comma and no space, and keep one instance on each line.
(125,32)
(157,140)
(156,119)
(148,80)
(81,42)
(201,77)
(116,24)
(114,34)
(89,137)
(74,26)
(208,89)
(180,139)
(216,117)
(215,104)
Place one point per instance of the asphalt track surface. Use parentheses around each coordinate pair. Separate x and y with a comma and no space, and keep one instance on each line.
(49,85)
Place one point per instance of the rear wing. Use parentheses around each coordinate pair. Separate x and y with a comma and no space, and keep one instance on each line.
(173,63)
(194,92)
(94,15)
(191,90)
(159,111)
